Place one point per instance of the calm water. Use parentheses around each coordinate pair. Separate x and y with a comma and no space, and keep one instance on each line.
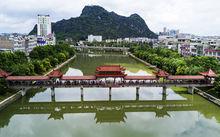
(175,115)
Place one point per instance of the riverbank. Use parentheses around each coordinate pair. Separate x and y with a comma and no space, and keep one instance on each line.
(61,65)
(144,62)
(199,92)
(8,100)
(208,96)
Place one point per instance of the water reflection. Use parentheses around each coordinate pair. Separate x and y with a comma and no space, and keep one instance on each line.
(105,111)
(153,114)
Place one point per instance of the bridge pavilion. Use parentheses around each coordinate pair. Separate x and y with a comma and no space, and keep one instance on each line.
(115,71)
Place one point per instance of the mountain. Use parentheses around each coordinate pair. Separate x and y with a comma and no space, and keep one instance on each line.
(98,21)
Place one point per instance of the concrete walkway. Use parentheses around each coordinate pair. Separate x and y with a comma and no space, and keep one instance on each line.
(208,96)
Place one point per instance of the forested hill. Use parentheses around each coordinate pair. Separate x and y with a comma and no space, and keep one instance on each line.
(98,21)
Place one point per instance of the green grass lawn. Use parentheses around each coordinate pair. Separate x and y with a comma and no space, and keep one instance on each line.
(179,89)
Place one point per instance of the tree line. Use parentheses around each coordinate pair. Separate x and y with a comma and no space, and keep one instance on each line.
(175,64)
(40,60)
(172,62)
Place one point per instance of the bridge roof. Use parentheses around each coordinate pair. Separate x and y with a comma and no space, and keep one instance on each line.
(162,73)
(3,74)
(140,78)
(209,73)
(78,78)
(110,75)
(186,77)
(27,78)
(110,68)
(55,74)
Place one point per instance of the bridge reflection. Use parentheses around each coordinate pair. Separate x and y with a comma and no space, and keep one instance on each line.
(108,111)
(105,111)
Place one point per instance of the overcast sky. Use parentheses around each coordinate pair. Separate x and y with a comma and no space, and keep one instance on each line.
(200,17)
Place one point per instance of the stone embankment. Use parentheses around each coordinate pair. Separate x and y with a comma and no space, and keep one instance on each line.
(208,96)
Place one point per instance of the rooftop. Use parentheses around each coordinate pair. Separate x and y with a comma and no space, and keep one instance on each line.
(140,78)
(78,78)
(3,74)
(110,68)
(209,73)
(162,73)
(186,77)
(55,74)
(27,78)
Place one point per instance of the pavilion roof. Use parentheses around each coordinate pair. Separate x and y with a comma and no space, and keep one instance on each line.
(140,78)
(186,77)
(55,74)
(111,68)
(3,74)
(209,73)
(78,78)
(27,78)
(162,73)
(110,75)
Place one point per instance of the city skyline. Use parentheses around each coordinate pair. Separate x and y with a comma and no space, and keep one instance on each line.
(196,17)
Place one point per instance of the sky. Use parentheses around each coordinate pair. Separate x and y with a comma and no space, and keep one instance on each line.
(199,17)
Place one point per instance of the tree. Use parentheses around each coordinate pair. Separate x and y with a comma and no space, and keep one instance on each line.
(61,57)
(39,67)
(46,63)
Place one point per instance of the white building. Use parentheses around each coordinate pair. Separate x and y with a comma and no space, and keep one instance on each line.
(44,31)
(44,25)
(92,38)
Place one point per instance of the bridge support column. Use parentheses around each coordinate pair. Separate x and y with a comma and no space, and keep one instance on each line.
(110,93)
(53,94)
(164,90)
(137,93)
(191,90)
(164,97)
(23,92)
(81,93)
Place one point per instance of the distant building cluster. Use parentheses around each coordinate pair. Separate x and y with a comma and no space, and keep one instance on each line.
(191,45)
(92,38)
(136,40)
(26,43)
(167,32)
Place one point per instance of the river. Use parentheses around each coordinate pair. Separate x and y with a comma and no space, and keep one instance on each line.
(177,114)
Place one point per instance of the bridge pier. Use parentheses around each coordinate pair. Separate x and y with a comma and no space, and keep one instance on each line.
(164,90)
(110,93)
(23,92)
(164,97)
(53,94)
(191,90)
(137,93)
(81,93)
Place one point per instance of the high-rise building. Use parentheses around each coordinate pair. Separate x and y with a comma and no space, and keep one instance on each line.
(44,25)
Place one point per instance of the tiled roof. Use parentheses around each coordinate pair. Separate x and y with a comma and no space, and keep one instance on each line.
(186,77)
(112,68)
(78,78)
(27,78)
(140,78)
(162,73)
(209,73)
(55,74)
(3,74)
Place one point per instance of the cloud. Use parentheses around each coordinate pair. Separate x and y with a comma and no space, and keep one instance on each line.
(191,16)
